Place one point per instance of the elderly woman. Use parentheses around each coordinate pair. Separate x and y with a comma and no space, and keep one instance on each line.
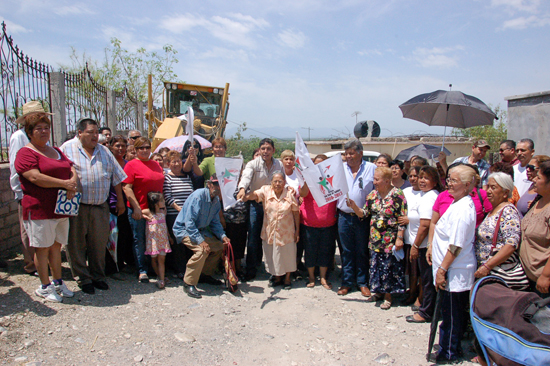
(420,217)
(144,176)
(281,228)
(525,202)
(500,257)
(318,233)
(43,171)
(535,242)
(397,174)
(385,204)
(453,260)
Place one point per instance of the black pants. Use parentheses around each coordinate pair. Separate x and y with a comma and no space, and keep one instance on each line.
(177,259)
(429,294)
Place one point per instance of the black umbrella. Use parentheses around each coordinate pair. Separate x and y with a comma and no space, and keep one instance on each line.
(433,326)
(448,108)
(424,150)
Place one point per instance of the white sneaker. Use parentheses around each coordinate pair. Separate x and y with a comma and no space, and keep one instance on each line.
(48,293)
(63,290)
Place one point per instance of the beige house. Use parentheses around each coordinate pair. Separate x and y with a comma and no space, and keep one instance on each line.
(393,145)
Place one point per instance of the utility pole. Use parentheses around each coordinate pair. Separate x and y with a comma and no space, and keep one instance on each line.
(308,132)
(355,114)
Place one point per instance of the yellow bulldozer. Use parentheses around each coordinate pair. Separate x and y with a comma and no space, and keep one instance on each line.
(210,106)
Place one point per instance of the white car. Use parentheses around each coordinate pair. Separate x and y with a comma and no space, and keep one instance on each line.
(367,155)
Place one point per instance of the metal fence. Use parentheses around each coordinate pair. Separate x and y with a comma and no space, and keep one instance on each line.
(25,79)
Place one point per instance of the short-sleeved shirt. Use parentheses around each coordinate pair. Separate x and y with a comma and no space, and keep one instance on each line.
(359,187)
(96,174)
(144,176)
(314,216)
(524,201)
(413,200)
(39,202)
(534,250)
(456,226)
(208,167)
(520,179)
(509,232)
(482,166)
(445,199)
(293,181)
(279,226)
(420,210)
(17,140)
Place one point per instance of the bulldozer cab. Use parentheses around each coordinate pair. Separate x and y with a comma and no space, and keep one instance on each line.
(210,106)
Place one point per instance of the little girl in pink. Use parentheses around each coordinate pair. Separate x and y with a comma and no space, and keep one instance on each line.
(156,234)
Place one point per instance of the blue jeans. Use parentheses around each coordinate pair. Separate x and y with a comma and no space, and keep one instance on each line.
(254,251)
(138,233)
(354,237)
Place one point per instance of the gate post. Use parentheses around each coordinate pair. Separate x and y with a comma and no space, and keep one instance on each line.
(139,119)
(59,118)
(111,111)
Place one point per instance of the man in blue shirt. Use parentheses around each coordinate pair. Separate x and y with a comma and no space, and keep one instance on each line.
(198,226)
(353,231)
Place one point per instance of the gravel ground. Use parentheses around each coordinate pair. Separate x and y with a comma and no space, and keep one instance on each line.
(134,323)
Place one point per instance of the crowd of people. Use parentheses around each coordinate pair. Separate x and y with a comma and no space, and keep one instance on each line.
(403,228)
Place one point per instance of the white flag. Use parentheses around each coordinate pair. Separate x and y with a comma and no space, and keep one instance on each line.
(327,180)
(189,127)
(228,171)
(303,161)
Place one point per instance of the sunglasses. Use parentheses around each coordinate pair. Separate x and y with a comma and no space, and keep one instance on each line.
(135,137)
(531,167)
(143,148)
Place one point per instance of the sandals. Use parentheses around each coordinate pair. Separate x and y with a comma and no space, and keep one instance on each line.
(161,284)
(326,285)
(287,286)
(386,305)
(143,278)
(310,285)
(375,298)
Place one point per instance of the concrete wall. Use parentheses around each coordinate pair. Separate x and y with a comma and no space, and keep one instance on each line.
(529,117)
(457,148)
(10,238)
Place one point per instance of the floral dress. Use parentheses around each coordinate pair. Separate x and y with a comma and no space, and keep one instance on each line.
(509,233)
(386,272)
(157,236)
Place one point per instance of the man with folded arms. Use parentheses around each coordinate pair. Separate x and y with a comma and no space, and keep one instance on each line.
(198,226)
(97,170)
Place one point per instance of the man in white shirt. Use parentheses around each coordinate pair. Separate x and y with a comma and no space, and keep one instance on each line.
(525,149)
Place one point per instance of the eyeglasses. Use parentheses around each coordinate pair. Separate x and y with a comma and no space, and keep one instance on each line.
(143,148)
(531,167)
(452,181)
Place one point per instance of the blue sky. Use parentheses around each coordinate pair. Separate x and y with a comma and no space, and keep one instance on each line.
(311,63)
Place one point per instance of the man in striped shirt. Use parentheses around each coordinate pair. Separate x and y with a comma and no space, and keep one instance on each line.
(97,170)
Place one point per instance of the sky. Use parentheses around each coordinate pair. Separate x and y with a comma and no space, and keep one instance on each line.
(295,65)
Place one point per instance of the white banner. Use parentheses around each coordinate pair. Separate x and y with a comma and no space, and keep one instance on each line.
(327,180)
(303,161)
(228,171)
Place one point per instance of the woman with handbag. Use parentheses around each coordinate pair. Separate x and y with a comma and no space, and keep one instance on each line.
(499,235)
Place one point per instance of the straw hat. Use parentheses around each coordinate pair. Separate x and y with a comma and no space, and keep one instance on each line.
(29,108)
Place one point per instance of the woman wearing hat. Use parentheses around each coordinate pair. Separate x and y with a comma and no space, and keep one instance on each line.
(43,171)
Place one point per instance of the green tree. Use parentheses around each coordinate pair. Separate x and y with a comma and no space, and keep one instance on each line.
(494,134)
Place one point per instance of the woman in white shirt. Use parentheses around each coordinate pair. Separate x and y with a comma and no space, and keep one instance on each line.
(454,261)
(430,186)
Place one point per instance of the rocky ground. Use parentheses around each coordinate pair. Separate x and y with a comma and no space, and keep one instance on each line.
(134,323)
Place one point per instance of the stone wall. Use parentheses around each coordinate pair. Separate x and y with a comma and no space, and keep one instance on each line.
(529,117)
(10,238)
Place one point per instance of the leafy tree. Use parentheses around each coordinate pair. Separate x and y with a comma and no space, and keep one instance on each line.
(494,134)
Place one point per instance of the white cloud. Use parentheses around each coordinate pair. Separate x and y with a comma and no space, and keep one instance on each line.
(439,57)
(530,6)
(73,10)
(14,28)
(236,28)
(526,22)
(292,39)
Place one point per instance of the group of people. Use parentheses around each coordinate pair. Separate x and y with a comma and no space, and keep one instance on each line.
(442,226)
